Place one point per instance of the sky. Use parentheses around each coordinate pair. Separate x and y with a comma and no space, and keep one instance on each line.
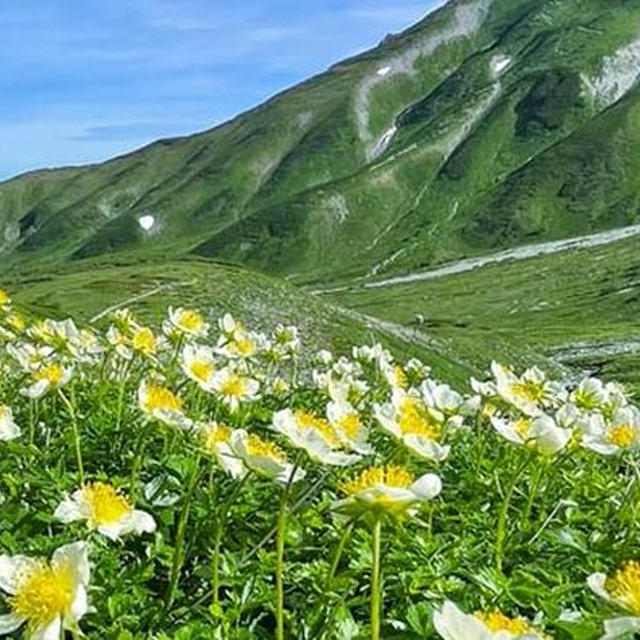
(85,80)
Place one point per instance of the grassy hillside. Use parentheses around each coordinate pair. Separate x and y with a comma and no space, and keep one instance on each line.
(485,125)
(217,289)
(579,308)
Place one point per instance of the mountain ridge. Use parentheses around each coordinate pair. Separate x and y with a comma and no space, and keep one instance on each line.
(427,148)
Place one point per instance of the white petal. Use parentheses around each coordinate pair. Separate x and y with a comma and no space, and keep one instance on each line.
(71,509)
(48,632)
(142,522)
(596,582)
(79,607)
(76,557)
(427,486)
(452,624)
(426,448)
(9,623)
(618,627)
(11,569)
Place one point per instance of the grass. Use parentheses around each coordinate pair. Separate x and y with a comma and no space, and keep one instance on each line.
(513,529)
(549,305)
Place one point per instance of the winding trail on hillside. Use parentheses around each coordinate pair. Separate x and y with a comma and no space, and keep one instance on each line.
(519,253)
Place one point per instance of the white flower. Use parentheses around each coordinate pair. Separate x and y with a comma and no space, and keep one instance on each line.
(199,365)
(420,428)
(621,433)
(216,440)
(390,490)
(526,394)
(9,430)
(105,510)
(453,624)
(234,388)
(623,590)
(441,397)
(162,404)
(48,377)
(540,433)
(349,427)
(315,435)
(46,596)
(240,344)
(264,458)
(228,324)
(187,322)
(589,394)
(324,357)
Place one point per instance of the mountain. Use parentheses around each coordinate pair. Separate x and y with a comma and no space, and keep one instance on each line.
(490,124)
(495,137)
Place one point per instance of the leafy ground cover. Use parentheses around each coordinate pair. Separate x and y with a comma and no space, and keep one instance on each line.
(201,480)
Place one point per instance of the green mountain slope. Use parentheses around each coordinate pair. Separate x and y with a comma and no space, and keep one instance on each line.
(489,124)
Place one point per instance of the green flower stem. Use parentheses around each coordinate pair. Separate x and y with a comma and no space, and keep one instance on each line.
(76,434)
(533,492)
(376,591)
(281,528)
(504,509)
(178,549)
(137,460)
(215,560)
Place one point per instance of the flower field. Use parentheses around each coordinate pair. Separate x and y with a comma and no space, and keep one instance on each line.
(200,479)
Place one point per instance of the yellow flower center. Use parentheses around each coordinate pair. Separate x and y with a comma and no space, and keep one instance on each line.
(52,373)
(258,447)
(623,435)
(243,346)
(44,594)
(233,386)
(585,400)
(16,322)
(522,426)
(214,435)
(106,504)
(497,621)
(201,370)
(190,320)
(4,298)
(309,421)
(376,476)
(400,377)
(158,397)
(4,412)
(350,425)
(144,341)
(624,587)
(414,419)
(528,390)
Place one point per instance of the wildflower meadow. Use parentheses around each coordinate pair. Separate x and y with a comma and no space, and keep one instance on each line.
(200,479)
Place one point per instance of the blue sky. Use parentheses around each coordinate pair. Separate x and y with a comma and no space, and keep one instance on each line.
(84,80)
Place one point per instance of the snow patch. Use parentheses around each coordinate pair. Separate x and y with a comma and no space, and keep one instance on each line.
(499,64)
(382,143)
(619,72)
(519,253)
(146,222)
(467,19)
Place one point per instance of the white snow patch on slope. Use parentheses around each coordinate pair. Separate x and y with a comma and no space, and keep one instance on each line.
(382,143)
(519,253)
(499,64)
(619,72)
(467,19)
(383,71)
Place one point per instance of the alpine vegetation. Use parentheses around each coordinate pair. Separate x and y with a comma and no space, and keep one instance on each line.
(206,480)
